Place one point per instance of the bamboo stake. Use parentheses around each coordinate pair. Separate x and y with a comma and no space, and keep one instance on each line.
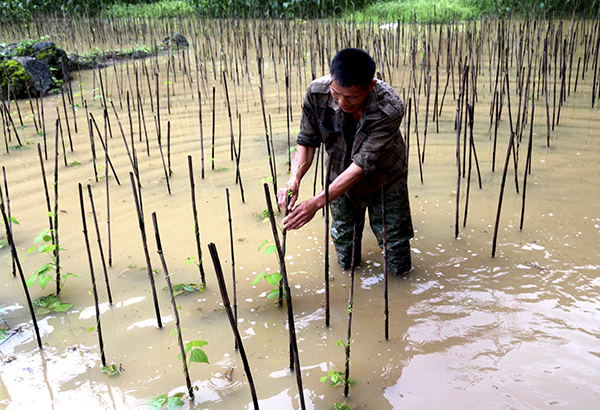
(55,214)
(235,312)
(386,309)
(221,281)
(94,289)
(174,306)
(107,160)
(294,359)
(212,147)
(142,226)
(196,227)
(510,148)
(162,156)
(14,271)
(99,239)
(350,310)
(327,314)
(15,256)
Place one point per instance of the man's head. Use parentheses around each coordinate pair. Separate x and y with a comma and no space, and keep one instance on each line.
(352,72)
(352,66)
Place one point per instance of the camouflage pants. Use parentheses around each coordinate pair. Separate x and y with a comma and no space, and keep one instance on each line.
(399,229)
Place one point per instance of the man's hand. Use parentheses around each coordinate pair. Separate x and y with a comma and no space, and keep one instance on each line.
(301,215)
(286,197)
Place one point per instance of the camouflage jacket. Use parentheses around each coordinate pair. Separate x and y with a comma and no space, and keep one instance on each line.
(378,147)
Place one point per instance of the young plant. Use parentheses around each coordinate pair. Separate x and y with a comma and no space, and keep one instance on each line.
(192,260)
(164,402)
(193,350)
(112,370)
(44,274)
(50,303)
(272,279)
(195,353)
(337,378)
(182,288)
(4,242)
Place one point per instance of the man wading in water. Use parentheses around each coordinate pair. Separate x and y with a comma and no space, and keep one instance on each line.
(357,118)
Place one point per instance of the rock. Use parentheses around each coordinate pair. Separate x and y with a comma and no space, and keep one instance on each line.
(48,53)
(40,80)
(176,40)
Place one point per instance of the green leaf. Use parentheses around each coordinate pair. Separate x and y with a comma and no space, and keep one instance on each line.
(273,278)
(173,403)
(197,343)
(198,356)
(274,293)
(44,280)
(63,307)
(262,244)
(45,268)
(41,236)
(157,402)
(270,249)
(258,278)
(31,280)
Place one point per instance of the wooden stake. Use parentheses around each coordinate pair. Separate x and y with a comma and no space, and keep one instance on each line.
(174,306)
(91,265)
(221,281)
(142,226)
(196,227)
(15,256)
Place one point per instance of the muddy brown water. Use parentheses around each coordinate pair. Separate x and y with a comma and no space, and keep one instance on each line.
(516,331)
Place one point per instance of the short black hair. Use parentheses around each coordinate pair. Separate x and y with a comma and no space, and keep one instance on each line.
(352,66)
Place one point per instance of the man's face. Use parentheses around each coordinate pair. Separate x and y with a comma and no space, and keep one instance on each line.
(351,98)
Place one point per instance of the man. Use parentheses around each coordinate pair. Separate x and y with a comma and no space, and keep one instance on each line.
(357,118)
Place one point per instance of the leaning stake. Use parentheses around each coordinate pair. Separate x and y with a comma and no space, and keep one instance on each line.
(94,289)
(221,280)
(99,239)
(196,226)
(145,244)
(174,305)
(13,250)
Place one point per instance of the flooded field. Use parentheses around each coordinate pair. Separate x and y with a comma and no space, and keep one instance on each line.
(517,330)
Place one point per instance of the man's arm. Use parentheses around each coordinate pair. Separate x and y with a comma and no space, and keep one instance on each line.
(303,158)
(305,211)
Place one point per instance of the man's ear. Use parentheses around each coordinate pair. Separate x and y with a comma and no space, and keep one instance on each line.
(369,88)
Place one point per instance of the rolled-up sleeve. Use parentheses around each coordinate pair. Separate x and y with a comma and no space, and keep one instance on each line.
(309,126)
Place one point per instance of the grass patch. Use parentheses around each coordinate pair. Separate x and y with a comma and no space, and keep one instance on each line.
(419,11)
(161,9)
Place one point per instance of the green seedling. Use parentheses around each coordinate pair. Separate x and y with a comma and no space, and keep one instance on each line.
(164,402)
(337,378)
(4,335)
(340,406)
(272,279)
(263,216)
(182,288)
(112,370)
(192,260)
(44,274)
(194,352)
(50,303)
